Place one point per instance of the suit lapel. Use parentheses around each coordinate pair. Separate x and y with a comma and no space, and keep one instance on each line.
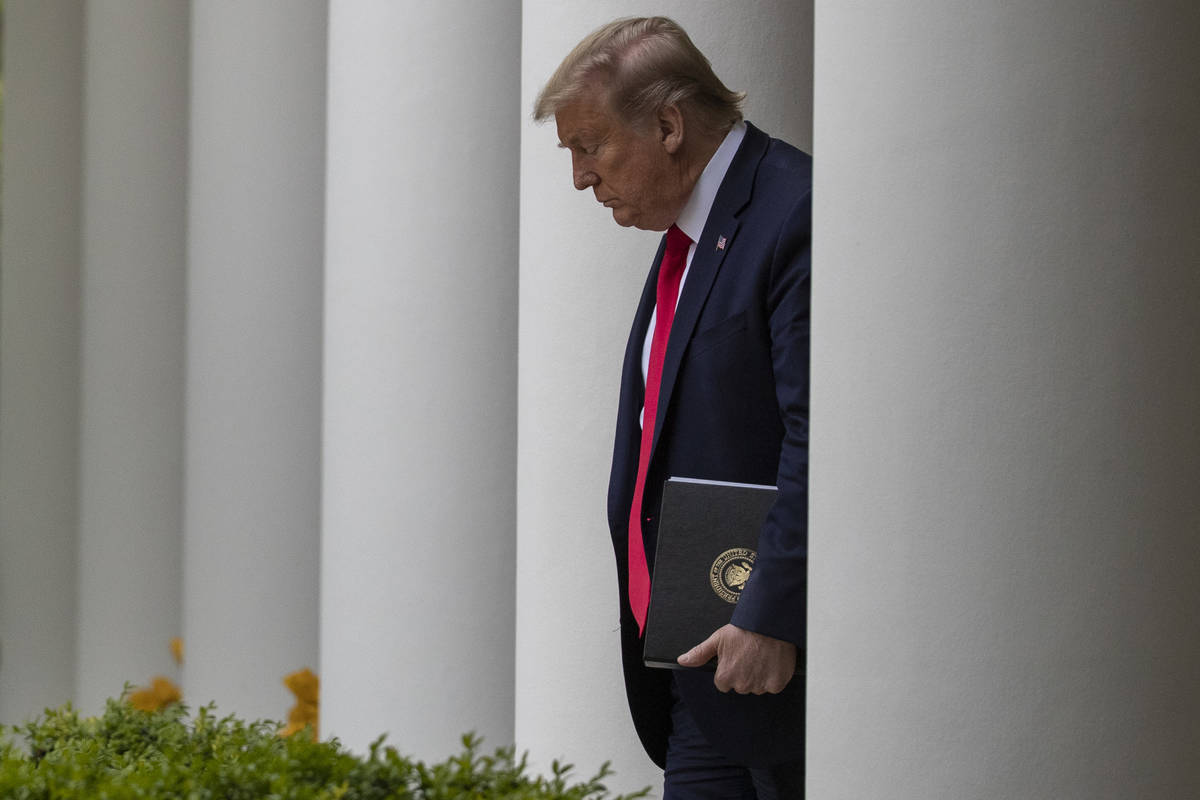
(716,243)
(629,430)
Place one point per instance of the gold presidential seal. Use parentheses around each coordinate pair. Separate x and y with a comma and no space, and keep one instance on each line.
(729,573)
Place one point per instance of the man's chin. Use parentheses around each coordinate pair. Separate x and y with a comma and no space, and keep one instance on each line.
(635,221)
(641,225)
(622,219)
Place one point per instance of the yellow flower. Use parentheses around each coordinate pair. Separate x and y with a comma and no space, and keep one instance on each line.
(305,685)
(307,688)
(160,694)
(177,649)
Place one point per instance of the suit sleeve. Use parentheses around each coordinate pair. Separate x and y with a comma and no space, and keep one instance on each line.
(774,601)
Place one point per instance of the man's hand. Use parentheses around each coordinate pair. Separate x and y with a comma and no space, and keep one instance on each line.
(747,662)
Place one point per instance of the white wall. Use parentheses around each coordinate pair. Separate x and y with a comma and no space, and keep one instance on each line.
(581,276)
(1005,571)
(420,374)
(39,353)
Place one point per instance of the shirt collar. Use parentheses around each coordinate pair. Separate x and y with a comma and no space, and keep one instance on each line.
(695,211)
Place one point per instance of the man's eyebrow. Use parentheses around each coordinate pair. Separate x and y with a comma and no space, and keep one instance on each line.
(576,139)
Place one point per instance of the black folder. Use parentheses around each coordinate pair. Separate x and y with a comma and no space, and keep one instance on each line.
(707,537)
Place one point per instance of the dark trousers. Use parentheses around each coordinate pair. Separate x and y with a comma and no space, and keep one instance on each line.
(695,771)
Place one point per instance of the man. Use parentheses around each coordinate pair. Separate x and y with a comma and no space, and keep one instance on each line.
(715,384)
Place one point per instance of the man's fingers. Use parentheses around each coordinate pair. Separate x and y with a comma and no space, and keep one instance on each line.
(750,663)
(701,654)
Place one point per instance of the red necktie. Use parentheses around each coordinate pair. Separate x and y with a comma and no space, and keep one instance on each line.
(669,274)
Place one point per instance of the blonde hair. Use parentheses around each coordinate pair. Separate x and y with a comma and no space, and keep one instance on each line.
(644,64)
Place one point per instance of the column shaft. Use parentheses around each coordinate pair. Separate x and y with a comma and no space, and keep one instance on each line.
(39,354)
(254,350)
(130,447)
(420,391)
(1005,580)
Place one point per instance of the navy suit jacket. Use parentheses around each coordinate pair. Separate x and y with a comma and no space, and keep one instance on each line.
(733,406)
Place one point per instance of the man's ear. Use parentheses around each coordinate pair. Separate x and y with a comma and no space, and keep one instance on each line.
(670,128)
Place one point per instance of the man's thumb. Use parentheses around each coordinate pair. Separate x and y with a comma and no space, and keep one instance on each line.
(701,654)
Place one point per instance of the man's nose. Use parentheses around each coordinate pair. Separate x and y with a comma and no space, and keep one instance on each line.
(585,179)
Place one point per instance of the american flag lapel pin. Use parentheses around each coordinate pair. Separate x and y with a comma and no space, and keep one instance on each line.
(720,242)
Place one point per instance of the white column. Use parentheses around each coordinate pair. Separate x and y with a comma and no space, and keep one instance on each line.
(39,354)
(420,374)
(254,350)
(130,446)
(1005,580)
(581,276)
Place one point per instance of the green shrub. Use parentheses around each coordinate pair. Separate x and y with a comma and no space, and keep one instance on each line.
(128,753)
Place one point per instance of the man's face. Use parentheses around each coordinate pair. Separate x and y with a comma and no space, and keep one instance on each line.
(630,170)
